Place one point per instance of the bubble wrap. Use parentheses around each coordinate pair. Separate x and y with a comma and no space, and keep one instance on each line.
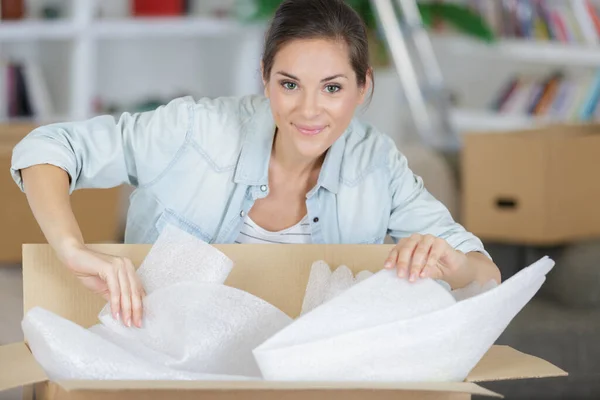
(177,256)
(203,328)
(67,351)
(369,332)
(323,285)
(194,327)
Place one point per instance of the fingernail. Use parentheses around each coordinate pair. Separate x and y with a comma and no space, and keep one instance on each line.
(388,265)
(128,323)
(402,273)
(413,277)
(117,316)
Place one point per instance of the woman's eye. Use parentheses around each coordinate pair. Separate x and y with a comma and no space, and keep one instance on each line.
(332,88)
(289,85)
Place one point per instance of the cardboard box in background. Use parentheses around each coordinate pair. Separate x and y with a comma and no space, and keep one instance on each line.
(98,211)
(538,186)
(277,274)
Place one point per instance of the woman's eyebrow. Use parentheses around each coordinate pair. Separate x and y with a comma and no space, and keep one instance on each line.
(288,75)
(329,78)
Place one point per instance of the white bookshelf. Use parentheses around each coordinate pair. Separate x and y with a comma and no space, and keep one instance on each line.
(36,30)
(86,37)
(167,27)
(464,52)
(544,52)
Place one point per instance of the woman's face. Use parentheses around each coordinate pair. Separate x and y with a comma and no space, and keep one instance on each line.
(313,94)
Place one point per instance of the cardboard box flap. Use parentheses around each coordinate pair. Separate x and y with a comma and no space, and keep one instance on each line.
(241,386)
(505,363)
(18,367)
(544,131)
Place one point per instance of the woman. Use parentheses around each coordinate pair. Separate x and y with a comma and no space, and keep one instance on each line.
(293,166)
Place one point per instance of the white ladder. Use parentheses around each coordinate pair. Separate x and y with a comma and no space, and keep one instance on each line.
(435,129)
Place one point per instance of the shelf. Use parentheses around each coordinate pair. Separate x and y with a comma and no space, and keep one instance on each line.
(480,120)
(523,50)
(124,28)
(167,27)
(36,30)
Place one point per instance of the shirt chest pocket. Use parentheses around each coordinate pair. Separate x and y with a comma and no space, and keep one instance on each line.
(170,217)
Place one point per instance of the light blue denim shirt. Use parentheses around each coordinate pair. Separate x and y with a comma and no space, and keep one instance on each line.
(201,165)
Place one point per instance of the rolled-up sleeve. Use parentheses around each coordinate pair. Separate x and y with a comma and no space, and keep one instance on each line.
(415,210)
(105,151)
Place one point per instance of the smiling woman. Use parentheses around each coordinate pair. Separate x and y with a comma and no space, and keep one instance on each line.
(292,166)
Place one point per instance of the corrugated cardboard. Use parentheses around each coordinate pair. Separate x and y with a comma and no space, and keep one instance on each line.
(534,186)
(276,273)
(98,211)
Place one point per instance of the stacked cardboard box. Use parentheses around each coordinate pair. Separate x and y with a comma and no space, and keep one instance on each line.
(536,186)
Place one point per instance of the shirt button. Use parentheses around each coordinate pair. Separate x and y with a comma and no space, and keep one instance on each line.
(242,213)
(316,219)
(263,188)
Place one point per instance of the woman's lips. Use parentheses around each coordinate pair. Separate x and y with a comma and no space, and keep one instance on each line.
(308,130)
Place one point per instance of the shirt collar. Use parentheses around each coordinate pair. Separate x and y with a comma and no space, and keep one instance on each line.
(253,165)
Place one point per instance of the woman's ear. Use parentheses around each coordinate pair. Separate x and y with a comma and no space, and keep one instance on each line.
(262,75)
(366,87)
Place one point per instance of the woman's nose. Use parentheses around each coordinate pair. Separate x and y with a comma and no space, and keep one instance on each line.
(310,106)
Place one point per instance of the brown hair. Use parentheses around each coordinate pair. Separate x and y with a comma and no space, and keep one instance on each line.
(315,19)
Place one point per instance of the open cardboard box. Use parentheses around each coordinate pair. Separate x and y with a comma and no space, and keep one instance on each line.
(277,274)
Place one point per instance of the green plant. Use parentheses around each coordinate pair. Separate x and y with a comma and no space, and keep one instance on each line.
(459,16)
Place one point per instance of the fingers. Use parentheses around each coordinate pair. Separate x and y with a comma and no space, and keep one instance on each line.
(125,293)
(420,256)
(392,259)
(114,292)
(137,294)
(432,269)
(405,253)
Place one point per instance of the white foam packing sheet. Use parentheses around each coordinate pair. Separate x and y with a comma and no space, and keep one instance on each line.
(430,337)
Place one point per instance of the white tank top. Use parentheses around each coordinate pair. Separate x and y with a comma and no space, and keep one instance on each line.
(297,234)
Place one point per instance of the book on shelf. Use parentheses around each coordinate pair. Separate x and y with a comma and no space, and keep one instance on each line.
(565,21)
(23,91)
(556,96)
(155,8)
(12,9)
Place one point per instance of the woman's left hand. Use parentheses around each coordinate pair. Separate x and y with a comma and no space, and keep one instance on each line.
(426,256)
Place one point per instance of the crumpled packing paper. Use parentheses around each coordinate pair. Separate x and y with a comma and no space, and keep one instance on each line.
(387,329)
(364,327)
(194,327)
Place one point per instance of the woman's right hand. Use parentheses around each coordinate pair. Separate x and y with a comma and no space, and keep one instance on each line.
(114,278)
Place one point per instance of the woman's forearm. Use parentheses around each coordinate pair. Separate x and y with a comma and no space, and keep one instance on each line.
(47,191)
(482,268)
(479,268)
